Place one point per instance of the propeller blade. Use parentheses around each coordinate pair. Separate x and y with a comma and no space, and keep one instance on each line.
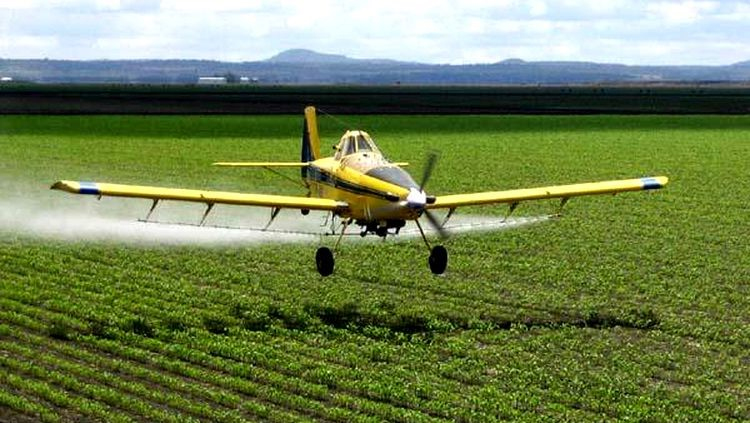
(432,158)
(436,224)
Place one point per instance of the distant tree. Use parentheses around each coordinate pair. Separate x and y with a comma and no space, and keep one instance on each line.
(231,78)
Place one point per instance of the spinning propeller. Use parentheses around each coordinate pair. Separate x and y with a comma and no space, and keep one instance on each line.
(432,158)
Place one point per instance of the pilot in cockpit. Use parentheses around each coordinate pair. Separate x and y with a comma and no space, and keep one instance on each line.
(355,142)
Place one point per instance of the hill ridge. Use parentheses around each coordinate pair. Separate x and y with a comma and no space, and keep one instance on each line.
(304,66)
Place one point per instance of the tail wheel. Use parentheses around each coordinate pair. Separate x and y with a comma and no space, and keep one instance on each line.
(438,259)
(324,261)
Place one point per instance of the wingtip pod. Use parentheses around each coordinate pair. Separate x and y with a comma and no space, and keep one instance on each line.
(655,182)
(64,186)
(77,187)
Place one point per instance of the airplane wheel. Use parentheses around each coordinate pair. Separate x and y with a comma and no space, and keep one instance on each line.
(324,261)
(438,259)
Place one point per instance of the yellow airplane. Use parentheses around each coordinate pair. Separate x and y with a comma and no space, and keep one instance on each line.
(360,186)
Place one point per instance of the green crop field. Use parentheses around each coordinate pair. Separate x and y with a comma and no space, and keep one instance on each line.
(633,307)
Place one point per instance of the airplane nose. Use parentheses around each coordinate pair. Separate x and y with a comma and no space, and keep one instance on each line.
(416,199)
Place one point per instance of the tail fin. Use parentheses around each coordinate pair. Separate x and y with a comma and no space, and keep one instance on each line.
(310,138)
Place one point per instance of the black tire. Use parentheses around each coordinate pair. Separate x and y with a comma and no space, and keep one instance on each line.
(438,259)
(324,261)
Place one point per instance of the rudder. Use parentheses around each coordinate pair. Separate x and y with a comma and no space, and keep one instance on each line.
(310,138)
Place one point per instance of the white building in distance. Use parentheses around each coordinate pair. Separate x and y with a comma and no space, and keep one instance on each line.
(212,80)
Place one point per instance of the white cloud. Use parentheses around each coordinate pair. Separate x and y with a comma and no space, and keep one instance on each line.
(29,4)
(740,12)
(128,43)
(140,5)
(309,15)
(600,7)
(537,8)
(438,31)
(107,4)
(211,6)
(681,12)
(28,46)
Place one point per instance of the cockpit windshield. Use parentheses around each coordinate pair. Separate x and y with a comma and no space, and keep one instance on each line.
(351,147)
(362,144)
(356,142)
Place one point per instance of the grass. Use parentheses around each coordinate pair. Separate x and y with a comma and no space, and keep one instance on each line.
(632,307)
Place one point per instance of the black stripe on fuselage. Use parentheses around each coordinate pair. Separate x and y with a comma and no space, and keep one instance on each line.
(319,175)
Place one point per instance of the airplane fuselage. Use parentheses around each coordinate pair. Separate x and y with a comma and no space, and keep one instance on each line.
(360,181)
(381,195)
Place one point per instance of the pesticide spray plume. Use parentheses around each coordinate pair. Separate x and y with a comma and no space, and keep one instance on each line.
(114,221)
(62,218)
(478,223)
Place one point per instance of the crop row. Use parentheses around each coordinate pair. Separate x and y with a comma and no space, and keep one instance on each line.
(459,374)
(183,395)
(220,364)
(269,358)
(259,351)
(336,310)
(22,405)
(289,395)
(383,390)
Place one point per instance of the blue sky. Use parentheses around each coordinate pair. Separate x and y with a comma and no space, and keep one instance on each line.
(432,31)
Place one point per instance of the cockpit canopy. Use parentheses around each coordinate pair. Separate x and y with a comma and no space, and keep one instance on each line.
(355,142)
(359,152)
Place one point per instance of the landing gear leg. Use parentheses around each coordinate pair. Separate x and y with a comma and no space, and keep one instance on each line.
(438,259)
(345,224)
(324,260)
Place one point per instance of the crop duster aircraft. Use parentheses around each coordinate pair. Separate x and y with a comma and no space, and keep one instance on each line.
(360,186)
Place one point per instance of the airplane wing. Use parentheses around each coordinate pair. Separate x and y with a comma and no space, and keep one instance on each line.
(262,164)
(557,191)
(200,196)
(278,164)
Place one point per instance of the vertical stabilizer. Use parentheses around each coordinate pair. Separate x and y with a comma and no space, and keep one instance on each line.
(310,138)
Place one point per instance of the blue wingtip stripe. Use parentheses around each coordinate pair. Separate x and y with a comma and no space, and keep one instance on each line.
(89,188)
(650,183)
